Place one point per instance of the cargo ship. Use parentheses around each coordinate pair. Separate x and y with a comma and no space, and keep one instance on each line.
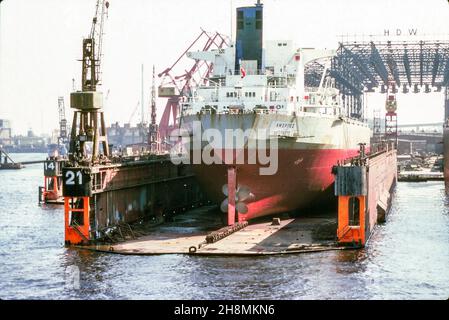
(259,86)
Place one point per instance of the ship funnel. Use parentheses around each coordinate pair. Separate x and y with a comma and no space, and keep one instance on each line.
(249,38)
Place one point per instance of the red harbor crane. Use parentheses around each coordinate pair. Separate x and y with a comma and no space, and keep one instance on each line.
(178,85)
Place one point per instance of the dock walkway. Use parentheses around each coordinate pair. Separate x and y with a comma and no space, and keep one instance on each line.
(293,235)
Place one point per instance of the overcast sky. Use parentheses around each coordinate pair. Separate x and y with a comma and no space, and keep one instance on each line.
(41,43)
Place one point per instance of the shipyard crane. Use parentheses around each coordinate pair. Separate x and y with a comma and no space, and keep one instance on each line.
(88,119)
(391,122)
(63,138)
(134,112)
(154,128)
(93,49)
(176,87)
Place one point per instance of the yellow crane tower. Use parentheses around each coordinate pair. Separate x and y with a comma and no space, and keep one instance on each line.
(88,119)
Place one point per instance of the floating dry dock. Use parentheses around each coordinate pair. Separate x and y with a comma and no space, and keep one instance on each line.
(99,198)
(51,191)
(298,235)
(363,187)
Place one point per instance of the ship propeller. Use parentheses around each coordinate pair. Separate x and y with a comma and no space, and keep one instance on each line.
(224,205)
(241,207)
(242,194)
(225,190)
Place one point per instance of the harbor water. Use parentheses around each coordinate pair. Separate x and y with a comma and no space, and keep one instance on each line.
(406,258)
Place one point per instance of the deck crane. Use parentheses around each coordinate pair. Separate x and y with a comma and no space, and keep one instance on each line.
(88,119)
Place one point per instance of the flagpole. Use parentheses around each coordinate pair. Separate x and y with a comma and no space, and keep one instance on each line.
(232,21)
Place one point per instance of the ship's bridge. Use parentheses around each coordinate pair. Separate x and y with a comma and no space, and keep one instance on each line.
(242,94)
(276,88)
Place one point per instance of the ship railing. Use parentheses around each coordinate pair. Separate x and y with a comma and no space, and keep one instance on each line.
(335,110)
(210,86)
(237,111)
(278,85)
(251,72)
(321,106)
(375,149)
(277,100)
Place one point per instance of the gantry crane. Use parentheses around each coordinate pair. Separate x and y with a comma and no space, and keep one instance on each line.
(88,119)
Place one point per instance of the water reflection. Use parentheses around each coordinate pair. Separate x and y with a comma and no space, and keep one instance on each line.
(407,258)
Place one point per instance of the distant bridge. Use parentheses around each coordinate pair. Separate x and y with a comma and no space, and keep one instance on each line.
(429,142)
(421,125)
(417,135)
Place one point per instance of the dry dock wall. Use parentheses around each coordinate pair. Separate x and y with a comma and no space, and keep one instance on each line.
(382,177)
(135,192)
(99,198)
(364,187)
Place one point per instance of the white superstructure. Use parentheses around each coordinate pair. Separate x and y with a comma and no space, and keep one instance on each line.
(277,88)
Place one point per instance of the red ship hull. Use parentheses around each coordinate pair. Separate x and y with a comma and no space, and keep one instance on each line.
(302,178)
(301,168)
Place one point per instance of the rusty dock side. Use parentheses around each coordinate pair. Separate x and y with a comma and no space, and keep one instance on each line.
(103,199)
(363,186)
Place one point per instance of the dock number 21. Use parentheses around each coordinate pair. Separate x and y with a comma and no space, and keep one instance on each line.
(70,176)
